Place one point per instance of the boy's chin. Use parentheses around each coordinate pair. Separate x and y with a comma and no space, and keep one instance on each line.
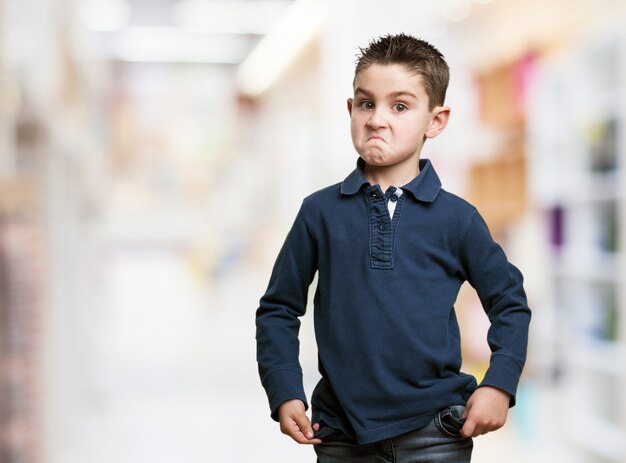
(375,161)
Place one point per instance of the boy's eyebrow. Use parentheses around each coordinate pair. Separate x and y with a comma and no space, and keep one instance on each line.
(363,91)
(403,93)
(392,94)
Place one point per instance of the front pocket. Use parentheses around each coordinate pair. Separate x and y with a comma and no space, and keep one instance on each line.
(450,421)
(328,434)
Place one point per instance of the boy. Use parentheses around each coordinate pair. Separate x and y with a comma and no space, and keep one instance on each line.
(391,249)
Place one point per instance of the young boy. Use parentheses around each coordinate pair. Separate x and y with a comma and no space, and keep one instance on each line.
(391,249)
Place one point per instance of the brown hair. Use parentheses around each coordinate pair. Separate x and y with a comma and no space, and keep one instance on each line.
(416,55)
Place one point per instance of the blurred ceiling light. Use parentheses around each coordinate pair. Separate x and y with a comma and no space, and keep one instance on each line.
(103,15)
(301,23)
(172,45)
(455,10)
(230,16)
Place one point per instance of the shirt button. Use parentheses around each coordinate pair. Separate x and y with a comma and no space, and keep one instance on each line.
(383,226)
(393,197)
(374,194)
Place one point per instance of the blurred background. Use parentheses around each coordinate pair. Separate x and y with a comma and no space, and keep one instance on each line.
(154,153)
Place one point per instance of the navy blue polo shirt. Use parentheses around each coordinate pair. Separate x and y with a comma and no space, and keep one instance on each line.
(387,334)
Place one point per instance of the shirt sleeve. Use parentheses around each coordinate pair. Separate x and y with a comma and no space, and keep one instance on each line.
(277,318)
(499,285)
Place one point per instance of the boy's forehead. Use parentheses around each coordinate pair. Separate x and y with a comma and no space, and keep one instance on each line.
(390,78)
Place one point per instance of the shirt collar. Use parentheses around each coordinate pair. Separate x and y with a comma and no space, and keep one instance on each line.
(424,187)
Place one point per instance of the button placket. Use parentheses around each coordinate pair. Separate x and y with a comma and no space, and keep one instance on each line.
(380,230)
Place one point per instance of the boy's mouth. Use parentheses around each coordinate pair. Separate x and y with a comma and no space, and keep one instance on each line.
(375,137)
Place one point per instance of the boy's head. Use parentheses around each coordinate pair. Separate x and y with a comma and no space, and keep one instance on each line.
(417,56)
(399,88)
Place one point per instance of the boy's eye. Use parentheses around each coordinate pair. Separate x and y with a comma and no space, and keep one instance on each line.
(400,107)
(366,104)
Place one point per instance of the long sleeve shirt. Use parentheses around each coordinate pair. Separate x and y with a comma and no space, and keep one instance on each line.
(387,334)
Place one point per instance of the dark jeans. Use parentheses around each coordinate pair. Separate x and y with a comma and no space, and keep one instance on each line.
(437,442)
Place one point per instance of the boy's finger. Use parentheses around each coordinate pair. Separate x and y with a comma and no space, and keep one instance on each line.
(305,425)
(296,434)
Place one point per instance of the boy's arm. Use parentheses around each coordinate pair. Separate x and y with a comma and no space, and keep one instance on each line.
(499,285)
(277,318)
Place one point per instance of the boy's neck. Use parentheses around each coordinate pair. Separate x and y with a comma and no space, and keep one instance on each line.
(396,175)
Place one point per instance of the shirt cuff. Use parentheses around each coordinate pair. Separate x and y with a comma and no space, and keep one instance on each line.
(283,385)
(503,373)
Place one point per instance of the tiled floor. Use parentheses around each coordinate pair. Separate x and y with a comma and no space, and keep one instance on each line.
(178,379)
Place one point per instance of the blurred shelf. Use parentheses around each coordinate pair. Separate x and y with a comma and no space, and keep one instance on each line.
(578,185)
(604,356)
(596,436)
(590,266)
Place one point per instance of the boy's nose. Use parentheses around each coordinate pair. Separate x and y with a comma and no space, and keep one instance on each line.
(376,120)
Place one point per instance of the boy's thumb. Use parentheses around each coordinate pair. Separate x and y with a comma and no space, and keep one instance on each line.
(468,429)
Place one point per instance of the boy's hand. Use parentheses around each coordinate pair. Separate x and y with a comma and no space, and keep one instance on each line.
(295,423)
(485,411)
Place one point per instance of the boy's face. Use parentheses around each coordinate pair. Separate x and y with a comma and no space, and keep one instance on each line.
(389,115)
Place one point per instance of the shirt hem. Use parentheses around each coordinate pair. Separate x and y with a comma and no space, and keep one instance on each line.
(393,430)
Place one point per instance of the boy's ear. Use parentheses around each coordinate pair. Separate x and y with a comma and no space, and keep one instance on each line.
(350,100)
(441,115)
